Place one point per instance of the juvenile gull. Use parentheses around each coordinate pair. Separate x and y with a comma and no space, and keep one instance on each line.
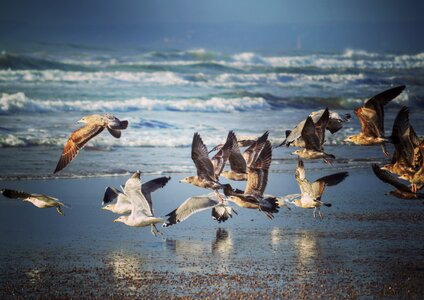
(402,137)
(402,191)
(335,123)
(38,200)
(123,204)
(238,162)
(314,136)
(208,170)
(371,117)
(253,196)
(221,211)
(79,138)
(141,209)
(311,193)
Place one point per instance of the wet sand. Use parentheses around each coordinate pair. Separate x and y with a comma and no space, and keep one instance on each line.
(368,246)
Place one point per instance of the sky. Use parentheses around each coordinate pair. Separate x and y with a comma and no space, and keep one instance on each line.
(385,25)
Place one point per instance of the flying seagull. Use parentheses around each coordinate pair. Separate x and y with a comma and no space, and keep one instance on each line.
(313,134)
(221,211)
(141,209)
(402,191)
(371,117)
(335,123)
(311,193)
(403,138)
(94,124)
(39,200)
(123,204)
(208,170)
(253,197)
(238,161)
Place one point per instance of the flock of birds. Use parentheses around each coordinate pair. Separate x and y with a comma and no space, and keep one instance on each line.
(133,201)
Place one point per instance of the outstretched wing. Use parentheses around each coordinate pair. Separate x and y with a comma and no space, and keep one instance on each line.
(401,137)
(310,136)
(110,194)
(13,194)
(319,185)
(251,153)
(257,176)
(132,190)
(369,122)
(220,158)
(388,178)
(76,142)
(191,206)
(149,187)
(237,161)
(199,155)
(378,102)
(295,134)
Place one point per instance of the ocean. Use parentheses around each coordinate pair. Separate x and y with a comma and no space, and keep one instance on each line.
(168,95)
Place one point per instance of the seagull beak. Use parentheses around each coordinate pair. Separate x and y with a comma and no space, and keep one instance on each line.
(116,220)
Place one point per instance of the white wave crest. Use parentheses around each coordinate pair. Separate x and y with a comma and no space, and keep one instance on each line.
(18,102)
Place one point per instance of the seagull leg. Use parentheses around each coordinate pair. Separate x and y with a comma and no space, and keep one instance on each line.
(320,214)
(414,188)
(157,231)
(315,212)
(385,152)
(152,230)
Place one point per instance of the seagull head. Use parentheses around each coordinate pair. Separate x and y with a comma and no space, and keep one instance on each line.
(109,207)
(351,138)
(83,120)
(122,219)
(137,174)
(297,152)
(187,179)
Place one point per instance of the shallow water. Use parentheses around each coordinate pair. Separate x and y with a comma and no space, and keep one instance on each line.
(368,244)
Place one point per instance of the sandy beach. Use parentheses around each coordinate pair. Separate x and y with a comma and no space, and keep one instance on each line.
(368,246)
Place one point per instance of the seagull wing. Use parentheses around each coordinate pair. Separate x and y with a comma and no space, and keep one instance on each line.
(401,136)
(250,154)
(220,158)
(76,142)
(191,206)
(132,190)
(319,185)
(378,102)
(321,125)
(13,194)
(237,161)
(369,122)
(257,175)
(388,178)
(199,155)
(295,134)
(310,136)
(151,186)
(110,194)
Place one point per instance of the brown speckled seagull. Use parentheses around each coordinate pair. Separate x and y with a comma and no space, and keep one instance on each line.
(371,117)
(94,124)
(208,170)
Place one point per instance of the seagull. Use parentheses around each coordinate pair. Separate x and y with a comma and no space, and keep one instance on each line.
(335,123)
(311,193)
(221,211)
(371,117)
(257,178)
(402,191)
(403,138)
(79,138)
(123,204)
(314,136)
(238,162)
(208,170)
(141,210)
(416,178)
(39,200)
